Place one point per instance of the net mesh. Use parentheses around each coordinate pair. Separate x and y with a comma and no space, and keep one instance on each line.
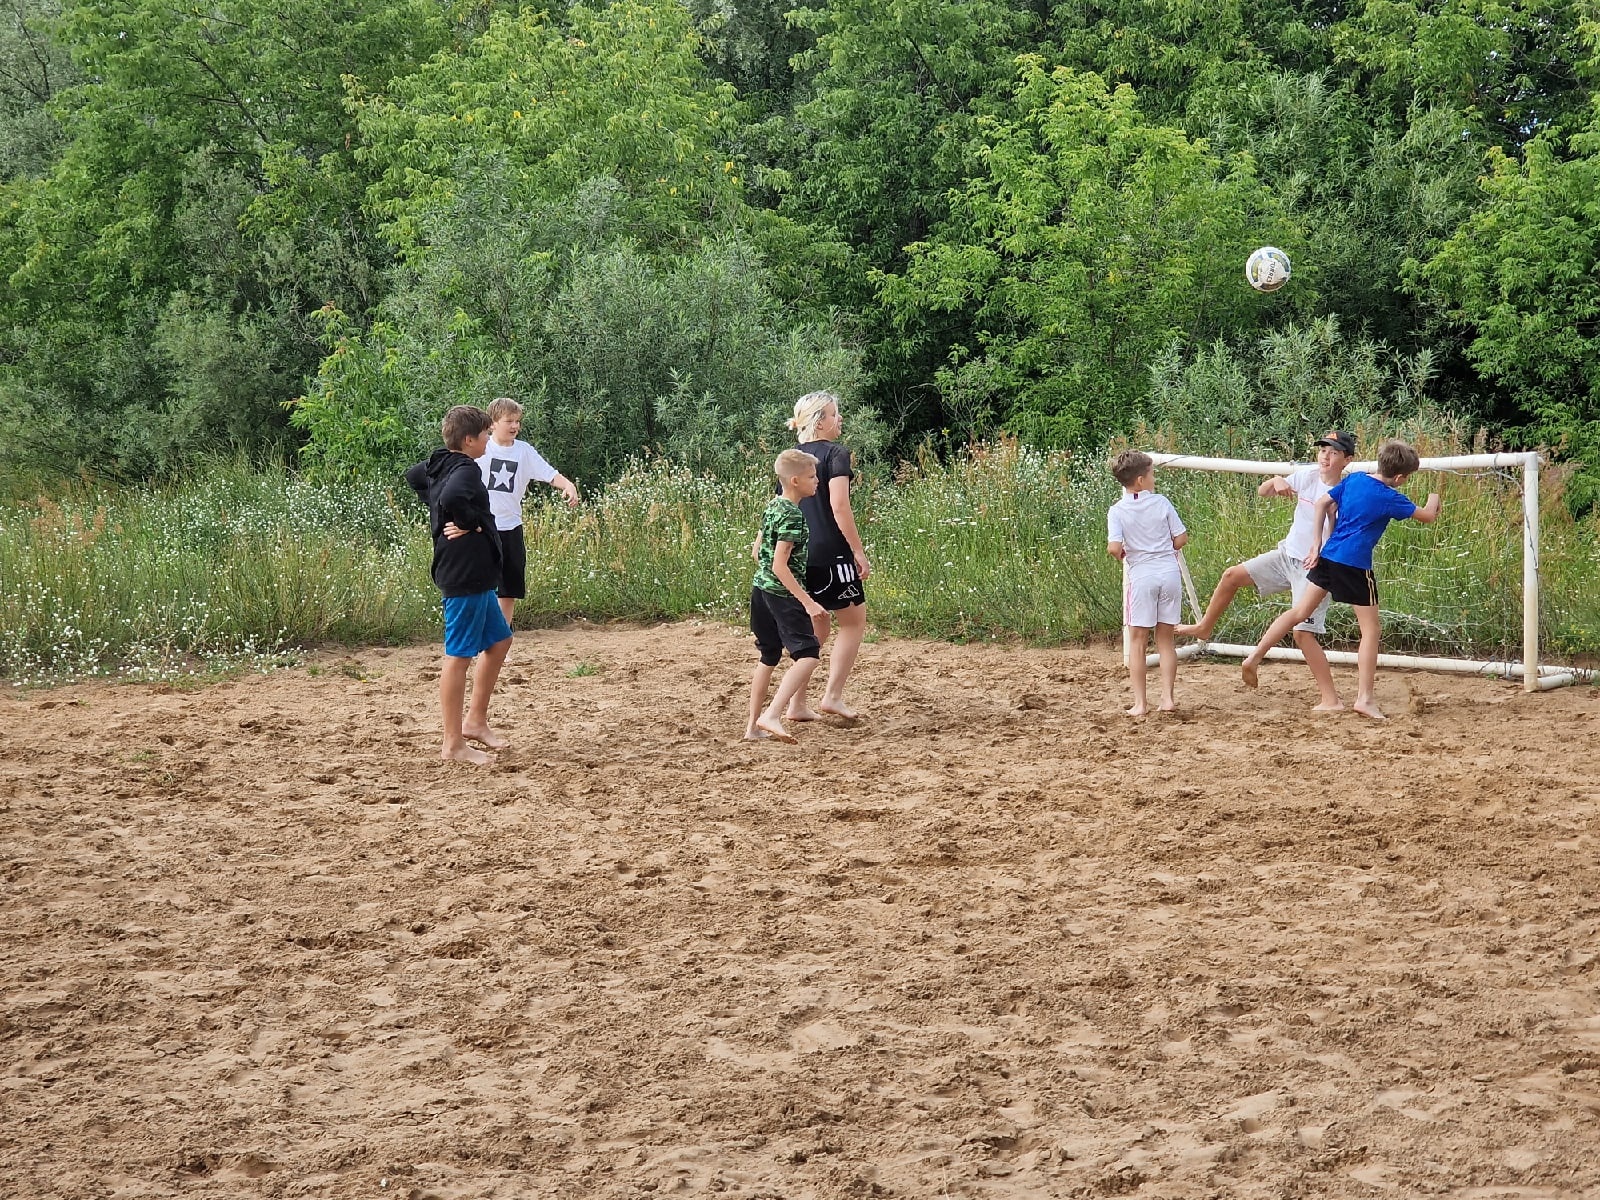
(1452,589)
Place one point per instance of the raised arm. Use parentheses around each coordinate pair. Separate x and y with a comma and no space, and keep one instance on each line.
(1275,485)
(1429,512)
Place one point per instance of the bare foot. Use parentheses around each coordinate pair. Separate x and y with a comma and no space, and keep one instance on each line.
(1336,706)
(1247,669)
(483,735)
(801,714)
(754,734)
(1168,707)
(466,754)
(1138,710)
(1369,708)
(775,730)
(1194,631)
(838,709)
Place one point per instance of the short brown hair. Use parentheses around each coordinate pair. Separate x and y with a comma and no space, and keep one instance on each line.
(503,406)
(1396,458)
(460,423)
(1131,465)
(790,463)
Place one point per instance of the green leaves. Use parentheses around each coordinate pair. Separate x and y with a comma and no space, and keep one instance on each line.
(1091,240)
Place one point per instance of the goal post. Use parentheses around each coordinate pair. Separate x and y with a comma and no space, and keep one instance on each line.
(1534,676)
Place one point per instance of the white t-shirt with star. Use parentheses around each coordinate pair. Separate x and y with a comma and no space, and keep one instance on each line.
(507,472)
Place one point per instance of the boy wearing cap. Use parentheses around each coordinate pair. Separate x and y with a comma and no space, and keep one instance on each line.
(1282,569)
(1359,509)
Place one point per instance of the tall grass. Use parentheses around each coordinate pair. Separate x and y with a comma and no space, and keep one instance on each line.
(245,567)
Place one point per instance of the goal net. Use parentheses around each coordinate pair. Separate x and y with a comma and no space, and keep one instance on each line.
(1462,595)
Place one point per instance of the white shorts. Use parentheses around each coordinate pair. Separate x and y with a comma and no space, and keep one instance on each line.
(1276,571)
(1152,600)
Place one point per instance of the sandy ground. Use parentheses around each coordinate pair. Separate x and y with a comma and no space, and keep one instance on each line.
(996,940)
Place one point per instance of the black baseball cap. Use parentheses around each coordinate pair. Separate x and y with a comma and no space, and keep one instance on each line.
(1344,443)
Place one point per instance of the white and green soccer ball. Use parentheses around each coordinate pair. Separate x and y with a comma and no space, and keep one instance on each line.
(1267,269)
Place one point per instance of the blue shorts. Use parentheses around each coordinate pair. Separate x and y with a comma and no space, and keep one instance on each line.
(472,624)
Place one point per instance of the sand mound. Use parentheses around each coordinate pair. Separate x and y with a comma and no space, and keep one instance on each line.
(996,940)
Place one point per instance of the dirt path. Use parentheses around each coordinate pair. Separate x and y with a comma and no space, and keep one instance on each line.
(994,941)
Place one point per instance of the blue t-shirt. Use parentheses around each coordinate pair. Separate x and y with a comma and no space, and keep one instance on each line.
(1366,506)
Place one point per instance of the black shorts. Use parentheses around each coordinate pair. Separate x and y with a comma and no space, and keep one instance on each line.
(780,623)
(834,582)
(513,565)
(1347,585)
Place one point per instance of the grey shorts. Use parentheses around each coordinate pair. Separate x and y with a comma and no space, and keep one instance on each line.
(1275,572)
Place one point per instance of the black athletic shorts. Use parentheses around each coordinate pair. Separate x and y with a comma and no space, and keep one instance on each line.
(780,623)
(513,565)
(1347,585)
(834,582)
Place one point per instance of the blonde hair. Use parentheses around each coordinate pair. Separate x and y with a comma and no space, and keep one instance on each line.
(504,406)
(790,463)
(807,412)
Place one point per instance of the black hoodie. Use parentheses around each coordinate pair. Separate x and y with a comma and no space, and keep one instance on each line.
(451,485)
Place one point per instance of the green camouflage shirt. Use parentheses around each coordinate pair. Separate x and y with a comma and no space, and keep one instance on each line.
(782,522)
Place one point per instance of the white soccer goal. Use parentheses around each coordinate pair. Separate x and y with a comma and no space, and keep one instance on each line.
(1534,677)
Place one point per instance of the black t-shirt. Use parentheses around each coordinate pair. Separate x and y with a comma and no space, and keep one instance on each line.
(827,540)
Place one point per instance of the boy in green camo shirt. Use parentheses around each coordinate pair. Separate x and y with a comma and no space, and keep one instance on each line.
(781,610)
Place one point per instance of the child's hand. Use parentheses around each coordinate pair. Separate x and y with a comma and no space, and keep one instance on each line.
(863,567)
(571,493)
(1310,560)
(813,609)
(452,531)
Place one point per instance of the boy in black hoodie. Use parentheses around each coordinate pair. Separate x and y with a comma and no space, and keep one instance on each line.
(466,568)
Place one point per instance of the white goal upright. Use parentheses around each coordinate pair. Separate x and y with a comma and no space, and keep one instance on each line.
(1534,677)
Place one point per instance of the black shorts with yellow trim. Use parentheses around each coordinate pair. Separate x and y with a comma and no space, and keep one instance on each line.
(1346,584)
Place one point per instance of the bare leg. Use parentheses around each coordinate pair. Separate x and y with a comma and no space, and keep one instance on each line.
(852,627)
(1234,578)
(1138,641)
(484,676)
(452,691)
(800,707)
(792,684)
(1275,632)
(1371,622)
(507,604)
(760,680)
(1168,649)
(1321,672)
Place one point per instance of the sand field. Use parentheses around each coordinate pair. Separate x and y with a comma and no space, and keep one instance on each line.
(996,940)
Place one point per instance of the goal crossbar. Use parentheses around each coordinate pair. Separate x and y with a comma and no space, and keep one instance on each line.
(1534,677)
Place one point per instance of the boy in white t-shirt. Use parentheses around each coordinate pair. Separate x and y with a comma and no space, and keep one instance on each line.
(1143,530)
(509,465)
(1282,569)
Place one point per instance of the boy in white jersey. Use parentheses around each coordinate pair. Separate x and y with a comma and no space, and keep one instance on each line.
(1143,530)
(509,465)
(1282,569)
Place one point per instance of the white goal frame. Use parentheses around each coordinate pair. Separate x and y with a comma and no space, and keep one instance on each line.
(1535,678)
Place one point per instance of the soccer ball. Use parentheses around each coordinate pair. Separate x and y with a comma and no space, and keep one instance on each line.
(1267,269)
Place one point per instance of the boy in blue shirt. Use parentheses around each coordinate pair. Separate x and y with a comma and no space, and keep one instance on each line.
(1361,507)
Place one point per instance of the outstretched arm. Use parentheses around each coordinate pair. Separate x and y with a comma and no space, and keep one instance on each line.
(1429,512)
(567,488)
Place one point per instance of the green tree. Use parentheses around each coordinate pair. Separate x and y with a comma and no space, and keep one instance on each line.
(1091,240)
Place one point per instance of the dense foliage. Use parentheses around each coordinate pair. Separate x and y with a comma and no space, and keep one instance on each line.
(293,228)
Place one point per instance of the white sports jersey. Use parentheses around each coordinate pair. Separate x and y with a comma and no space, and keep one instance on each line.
(1308,488)
(1145,523)
(507,472)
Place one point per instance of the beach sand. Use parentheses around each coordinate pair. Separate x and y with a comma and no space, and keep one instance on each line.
(996,939)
